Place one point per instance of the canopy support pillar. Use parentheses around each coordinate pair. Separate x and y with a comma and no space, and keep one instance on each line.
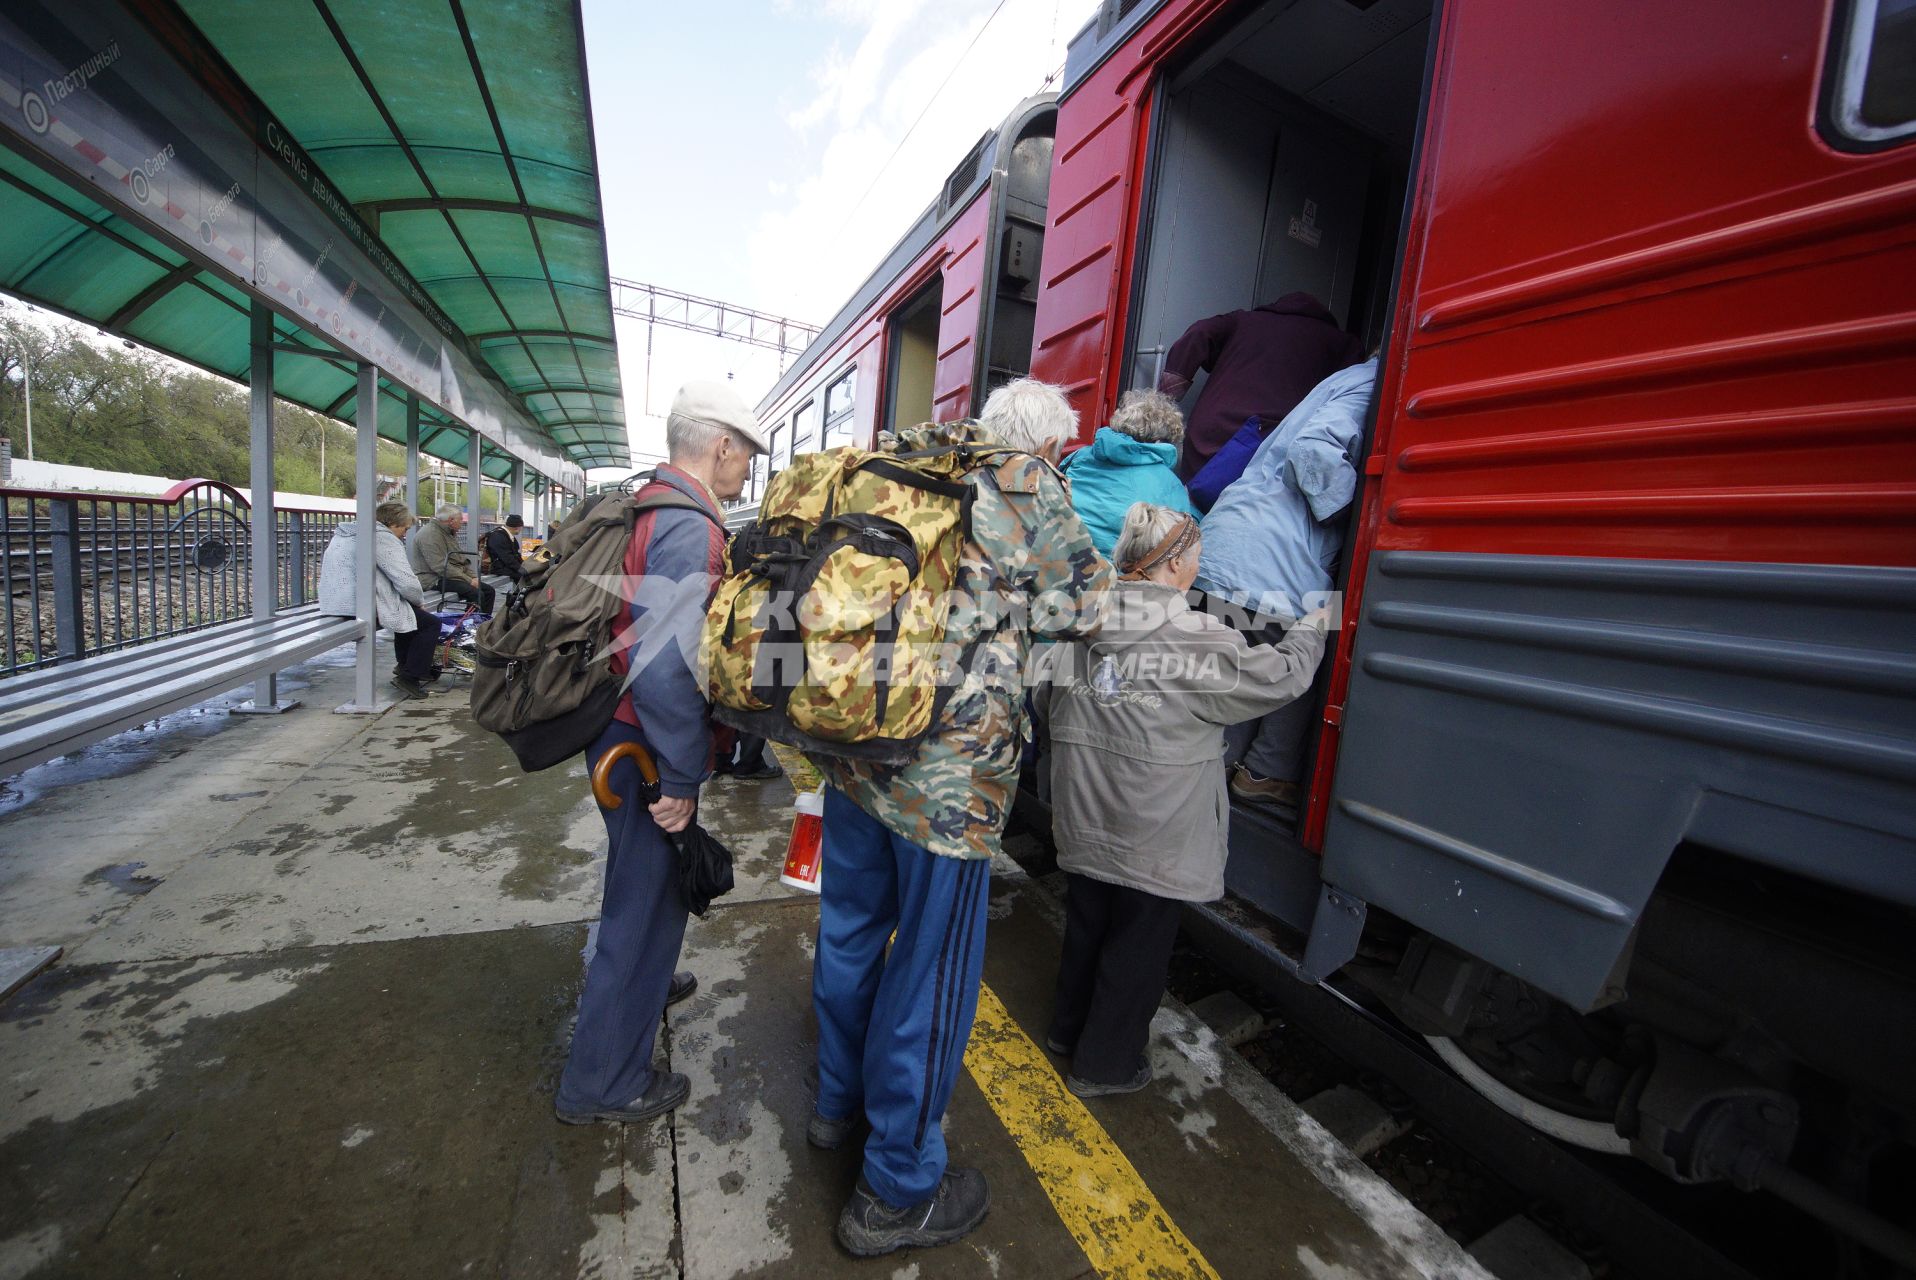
(366,501)
(475,490)
(516,502)
(263,521)
(412,456)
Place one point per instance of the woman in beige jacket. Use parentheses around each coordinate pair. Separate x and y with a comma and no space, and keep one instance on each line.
(1139,807)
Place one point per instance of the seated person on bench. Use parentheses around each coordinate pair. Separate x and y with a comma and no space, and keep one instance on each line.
(397,595)
(440,562)
(502,545)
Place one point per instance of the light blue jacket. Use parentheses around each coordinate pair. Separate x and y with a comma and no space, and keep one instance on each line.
(1113,472)
(1271,542)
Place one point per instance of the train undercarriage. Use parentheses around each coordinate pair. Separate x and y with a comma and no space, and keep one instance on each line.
(1761,1035)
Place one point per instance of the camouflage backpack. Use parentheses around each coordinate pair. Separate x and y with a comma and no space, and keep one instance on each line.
(829,632)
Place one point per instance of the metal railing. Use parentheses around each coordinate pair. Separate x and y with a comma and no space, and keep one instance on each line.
(85,574)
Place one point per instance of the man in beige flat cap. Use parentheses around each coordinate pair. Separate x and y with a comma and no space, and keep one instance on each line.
(674,562)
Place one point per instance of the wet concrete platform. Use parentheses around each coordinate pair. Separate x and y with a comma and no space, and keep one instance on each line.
(317,987)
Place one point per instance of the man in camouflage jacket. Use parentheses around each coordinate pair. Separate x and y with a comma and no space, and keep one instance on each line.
(908,847)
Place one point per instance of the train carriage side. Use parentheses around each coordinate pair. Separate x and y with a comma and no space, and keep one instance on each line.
(1620,747)
(945,318)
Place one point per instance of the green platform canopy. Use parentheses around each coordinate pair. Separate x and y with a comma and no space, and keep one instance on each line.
(460,134)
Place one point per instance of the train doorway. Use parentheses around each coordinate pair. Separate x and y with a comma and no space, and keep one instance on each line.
(1024,194)
(911,358)
(1281,153)
(1280,160)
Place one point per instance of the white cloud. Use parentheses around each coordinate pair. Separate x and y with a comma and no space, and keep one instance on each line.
(842,198)
(817,240)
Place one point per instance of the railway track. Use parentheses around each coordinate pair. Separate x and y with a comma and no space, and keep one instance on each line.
(1466,1163)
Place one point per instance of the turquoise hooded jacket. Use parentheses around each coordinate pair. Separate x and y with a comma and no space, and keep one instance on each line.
(1114,471)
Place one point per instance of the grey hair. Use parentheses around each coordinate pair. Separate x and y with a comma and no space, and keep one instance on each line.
(690,438)
(1146,524)
(447,511)
(1028,414)
(1149,416)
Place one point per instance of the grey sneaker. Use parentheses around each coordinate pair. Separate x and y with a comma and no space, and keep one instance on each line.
(869,1226)
(1092,1089)
(827,1134)
(668,1090)
(1246,785)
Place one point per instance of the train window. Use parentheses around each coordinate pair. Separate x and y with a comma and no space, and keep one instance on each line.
(781,450)
(755,488)
(804,427)
(912,358)
(838,411)
(1873,73)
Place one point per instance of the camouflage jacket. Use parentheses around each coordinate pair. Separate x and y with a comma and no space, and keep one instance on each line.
(1029,569)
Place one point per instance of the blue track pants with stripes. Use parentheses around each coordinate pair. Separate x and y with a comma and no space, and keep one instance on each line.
(892,1028)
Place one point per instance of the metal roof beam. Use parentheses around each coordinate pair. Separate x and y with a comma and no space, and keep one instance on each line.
(443,204)
(152,294)
(570,335)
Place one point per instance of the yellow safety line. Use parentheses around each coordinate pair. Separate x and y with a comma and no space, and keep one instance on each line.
(1103,1201)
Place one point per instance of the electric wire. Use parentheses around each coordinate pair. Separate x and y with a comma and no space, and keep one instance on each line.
(913,127)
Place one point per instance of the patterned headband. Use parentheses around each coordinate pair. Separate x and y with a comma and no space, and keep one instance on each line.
(1175,544)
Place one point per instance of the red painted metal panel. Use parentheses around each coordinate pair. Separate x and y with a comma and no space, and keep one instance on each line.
(962,323)
(1655,315)
(1092,224)
(1626,332)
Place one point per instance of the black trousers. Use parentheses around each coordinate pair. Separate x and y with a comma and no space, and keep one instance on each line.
(1117,955)
(465,591)
(414,648)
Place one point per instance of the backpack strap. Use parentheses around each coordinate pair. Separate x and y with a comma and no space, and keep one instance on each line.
(663,497)
(675,501)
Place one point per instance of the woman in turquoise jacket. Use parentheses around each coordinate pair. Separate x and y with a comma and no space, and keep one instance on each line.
(1134,459)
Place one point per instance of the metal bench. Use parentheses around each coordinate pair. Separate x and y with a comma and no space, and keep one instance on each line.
(63,708)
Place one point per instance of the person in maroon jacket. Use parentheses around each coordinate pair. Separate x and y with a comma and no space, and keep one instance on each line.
(1262,362)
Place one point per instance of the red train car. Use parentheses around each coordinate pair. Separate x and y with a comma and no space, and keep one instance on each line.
(1616,778)
(946,317)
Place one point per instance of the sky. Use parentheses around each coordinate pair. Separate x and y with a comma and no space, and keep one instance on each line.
(769,154)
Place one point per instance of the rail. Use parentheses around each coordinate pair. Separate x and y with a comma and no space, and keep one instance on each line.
(86,574)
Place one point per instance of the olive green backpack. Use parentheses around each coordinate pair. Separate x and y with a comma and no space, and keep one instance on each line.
(829,632)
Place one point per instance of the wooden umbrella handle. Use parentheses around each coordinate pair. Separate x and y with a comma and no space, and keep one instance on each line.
(602,772)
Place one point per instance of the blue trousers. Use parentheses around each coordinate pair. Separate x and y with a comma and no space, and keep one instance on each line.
(641,925)
(892,1028)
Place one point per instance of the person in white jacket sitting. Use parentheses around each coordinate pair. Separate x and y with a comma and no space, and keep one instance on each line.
(396,592)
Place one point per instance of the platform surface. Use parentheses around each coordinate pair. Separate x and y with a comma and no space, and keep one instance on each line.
(317,988)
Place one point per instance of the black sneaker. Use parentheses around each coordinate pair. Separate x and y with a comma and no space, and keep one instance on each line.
(759,774)
(1058,1046)
(869,1226)
(1093,1089)
(668,1090)
(408,686)
(683,985)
